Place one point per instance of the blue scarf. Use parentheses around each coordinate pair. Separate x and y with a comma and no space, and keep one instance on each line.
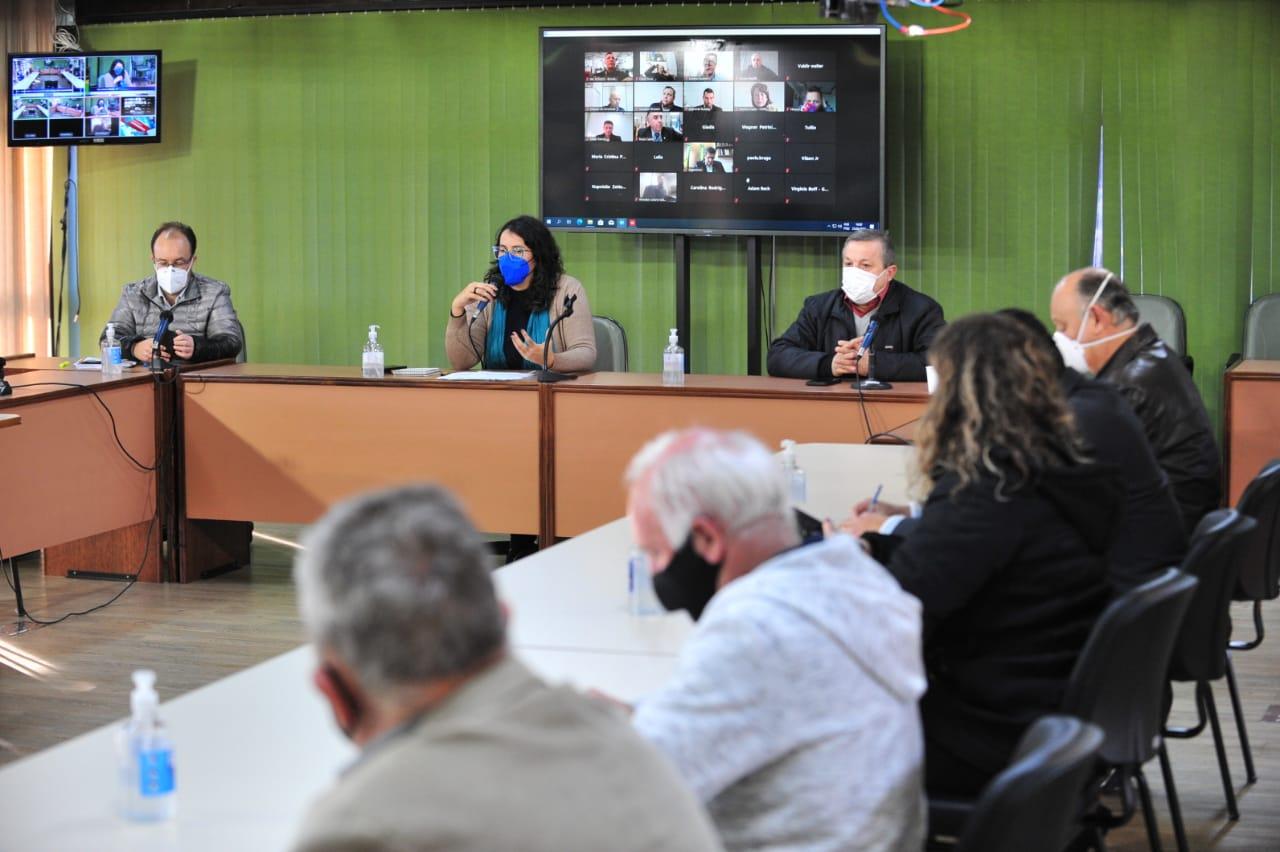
(494,356)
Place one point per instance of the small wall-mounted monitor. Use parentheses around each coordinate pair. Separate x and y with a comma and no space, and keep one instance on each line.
(84,98)
(713,129)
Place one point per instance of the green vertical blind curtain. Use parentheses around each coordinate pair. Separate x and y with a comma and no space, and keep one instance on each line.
(342,170)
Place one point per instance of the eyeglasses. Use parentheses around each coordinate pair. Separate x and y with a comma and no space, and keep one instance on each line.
(183,263)
(519,251)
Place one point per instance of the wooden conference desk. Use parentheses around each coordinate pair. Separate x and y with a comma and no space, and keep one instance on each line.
(283,443)
(73,482)
(1251,412)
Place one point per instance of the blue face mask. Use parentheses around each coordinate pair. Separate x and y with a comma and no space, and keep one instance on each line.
(514,269)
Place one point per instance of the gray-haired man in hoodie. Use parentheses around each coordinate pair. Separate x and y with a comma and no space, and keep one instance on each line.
(793,710)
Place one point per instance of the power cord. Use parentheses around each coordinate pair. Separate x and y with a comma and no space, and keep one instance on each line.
(114,430)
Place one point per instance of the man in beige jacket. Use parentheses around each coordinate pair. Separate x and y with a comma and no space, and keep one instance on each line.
(462,747)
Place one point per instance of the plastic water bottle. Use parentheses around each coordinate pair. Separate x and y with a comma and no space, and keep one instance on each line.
(673,361)
(795,474)
(371,362)
(112,364)
(641,599)
(145,757)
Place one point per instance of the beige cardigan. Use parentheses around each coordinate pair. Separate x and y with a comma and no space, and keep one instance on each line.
(574,340)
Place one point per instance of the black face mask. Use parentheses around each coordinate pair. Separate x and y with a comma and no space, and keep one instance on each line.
(688,581)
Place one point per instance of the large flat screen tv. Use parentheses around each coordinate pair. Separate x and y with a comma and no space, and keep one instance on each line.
(716,130)
(84,98)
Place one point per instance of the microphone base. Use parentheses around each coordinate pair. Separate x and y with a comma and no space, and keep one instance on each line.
(871,384)
(548,376)
(6,389)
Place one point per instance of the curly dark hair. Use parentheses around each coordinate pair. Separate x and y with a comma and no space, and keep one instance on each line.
(548,265)
(998,410)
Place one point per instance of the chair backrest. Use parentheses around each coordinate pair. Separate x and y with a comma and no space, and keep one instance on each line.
(1119,678)
(611,345)
(1260,567)
(1166,317)
(1038,800)
(1169,322)
(1214,558)
(243,355)
(1262,329)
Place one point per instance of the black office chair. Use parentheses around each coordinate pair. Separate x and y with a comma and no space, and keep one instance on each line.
(1200,652)
(1168,321)
(1038,800)
(1118,684)
(1259,579)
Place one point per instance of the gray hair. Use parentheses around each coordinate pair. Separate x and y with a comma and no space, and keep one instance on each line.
(882,237)
(397,584)
(1115,300)
(728,476)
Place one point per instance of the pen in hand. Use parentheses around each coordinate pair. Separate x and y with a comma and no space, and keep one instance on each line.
(875,498)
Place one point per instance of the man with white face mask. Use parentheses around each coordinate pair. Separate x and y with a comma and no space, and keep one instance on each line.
(1099,332)
(825,341)
(204,325)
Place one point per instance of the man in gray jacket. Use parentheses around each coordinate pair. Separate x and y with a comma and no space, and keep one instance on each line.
(204,325)
(793,711)
(462,747)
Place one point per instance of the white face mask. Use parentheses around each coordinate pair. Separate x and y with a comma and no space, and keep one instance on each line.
(171,279)
(858,284)
(1073,350)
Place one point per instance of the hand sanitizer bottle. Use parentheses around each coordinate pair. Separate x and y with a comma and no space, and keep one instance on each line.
(145,753)
(673,361)
(112,366)
(795,474)
(372,362)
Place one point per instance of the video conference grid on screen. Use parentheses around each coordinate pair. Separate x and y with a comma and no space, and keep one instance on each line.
(742,129)
(84,98)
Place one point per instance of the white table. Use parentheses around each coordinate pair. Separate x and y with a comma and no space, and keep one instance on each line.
(254,749)
(839,475)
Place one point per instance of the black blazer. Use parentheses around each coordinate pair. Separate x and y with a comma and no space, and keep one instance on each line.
(908,323)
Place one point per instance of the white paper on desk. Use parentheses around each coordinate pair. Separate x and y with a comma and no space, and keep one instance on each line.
(95,364)
(489,376)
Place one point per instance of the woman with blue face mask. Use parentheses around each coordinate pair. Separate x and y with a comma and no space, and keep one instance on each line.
(502,321)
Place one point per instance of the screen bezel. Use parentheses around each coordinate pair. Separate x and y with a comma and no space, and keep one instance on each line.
(710,32)
(101,140)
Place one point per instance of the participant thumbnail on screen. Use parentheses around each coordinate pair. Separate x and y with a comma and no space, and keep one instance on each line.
(607,97)
(769,97)
(138,105)
(49,74)
(602,127)
(66,108)
(609,65)
(659,65)
(758,65)
(812,97)
(114,73)
(668,97)
(658,186)
(104,106)
(708,157)
(138,125)
(708,64)
(658,126)
(31,108)
(102,126)
(708,97)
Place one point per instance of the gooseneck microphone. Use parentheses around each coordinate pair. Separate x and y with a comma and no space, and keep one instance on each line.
(870,382)
(546,375)
(166,317)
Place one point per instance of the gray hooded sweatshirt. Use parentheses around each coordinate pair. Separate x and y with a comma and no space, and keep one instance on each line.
(793,712)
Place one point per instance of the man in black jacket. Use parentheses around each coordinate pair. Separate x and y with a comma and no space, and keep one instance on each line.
(826,339)
(1149,536)
(1098,328)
